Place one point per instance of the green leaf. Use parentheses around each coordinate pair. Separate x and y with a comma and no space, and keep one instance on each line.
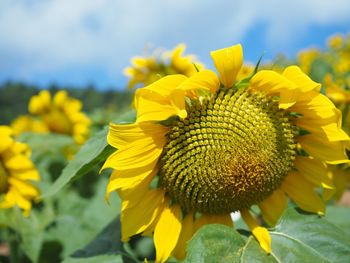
(54,144)
(90,154)
(79,220)
(319,68)
(339,216)
(219,243)
(128,116)
(298,237)
(29,230)
(97,259)
(106,242)
(309,238)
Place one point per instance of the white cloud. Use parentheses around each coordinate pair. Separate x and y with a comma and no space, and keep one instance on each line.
(44,36)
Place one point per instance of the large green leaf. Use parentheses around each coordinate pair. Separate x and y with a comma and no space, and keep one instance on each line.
(108,241)
(29,231)
(298,237)
(219,243)
(91,154)
(79,220)
(320,240)
(339,216)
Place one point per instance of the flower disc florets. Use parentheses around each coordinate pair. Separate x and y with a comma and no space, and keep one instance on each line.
(231,151)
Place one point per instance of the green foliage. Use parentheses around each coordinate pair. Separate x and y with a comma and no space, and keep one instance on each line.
(97,259)
(298,237)
(91,154)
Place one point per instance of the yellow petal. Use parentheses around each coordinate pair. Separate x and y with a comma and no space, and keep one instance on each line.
(326,151)
(263,237)
(134,193)
(137,215)
(275,84)
(5,130)
(314,105)
(130,179)
(260,233)
(45,97)
(17,162)
(187,230)
(26,174)
(304,83)
(154,108)
(273,207)
(206,219)
(60,98)
(121,135)
(314,171)
(153,102)
(6,140)
(137,154)
(13,197)
(323,128)
(301,191)
(329,128)
(25,189)
(167,232)
(228,62)
(40,102)
(205,80)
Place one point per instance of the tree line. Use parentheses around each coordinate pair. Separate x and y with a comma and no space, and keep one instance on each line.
(14,98)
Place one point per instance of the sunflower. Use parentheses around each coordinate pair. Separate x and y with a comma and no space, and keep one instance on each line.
(61,114)
(146,70)
(16,172)
(335,92)
(26,123)
(205,146)
(335,42)
(307,57)
(181,64)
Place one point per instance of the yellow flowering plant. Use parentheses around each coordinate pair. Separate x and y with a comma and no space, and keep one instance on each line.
(146,70)
(332,68)
(61,114)
(205,146)
(241,163)
(17,173)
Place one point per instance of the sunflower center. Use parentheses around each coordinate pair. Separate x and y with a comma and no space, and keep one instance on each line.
(58,122)
(3,178)
(232,151)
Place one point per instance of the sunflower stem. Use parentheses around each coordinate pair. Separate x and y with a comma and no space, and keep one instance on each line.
(15,253)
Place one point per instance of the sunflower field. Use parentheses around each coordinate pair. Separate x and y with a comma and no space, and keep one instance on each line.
(248,162)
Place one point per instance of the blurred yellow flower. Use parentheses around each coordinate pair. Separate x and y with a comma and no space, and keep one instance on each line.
(337,94)
(26,123)
(306,58)
(205,146)
(16,172)
(336,41)
(146,70)
(62,114)
(180,64)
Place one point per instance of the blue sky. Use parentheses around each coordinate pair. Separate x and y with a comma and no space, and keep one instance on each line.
(81,42)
